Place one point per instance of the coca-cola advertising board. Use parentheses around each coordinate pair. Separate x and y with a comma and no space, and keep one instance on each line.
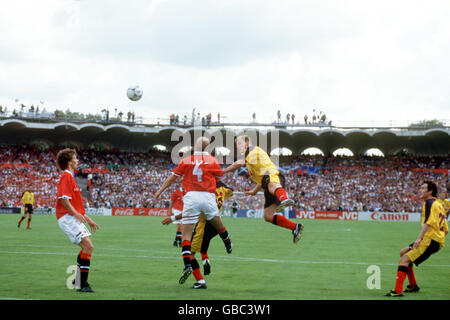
(153,212)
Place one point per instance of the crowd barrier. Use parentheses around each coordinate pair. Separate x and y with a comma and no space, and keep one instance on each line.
(334,215)
(9,210)
(246,213)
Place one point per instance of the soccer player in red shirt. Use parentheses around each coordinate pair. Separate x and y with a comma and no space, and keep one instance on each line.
(175,208)
(200,173)
(71,216)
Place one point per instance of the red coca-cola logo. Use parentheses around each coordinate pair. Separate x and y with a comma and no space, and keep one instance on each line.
(140,211)
(123,211)
(158,211)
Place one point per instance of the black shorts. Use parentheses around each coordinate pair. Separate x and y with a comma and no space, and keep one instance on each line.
(210,232)
(270,198)
(433,247)
(201,236)
(28,208)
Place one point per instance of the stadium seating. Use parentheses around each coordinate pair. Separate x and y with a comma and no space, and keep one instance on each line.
(126,179)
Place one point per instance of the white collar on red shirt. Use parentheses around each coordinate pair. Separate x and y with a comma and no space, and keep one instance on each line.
(68,172)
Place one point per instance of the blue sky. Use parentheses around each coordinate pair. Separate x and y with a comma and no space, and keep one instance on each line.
(357,61)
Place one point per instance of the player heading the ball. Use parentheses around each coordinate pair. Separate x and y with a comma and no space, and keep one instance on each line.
(267,177)
(200,172)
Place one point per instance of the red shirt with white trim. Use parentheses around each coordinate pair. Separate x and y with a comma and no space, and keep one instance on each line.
(199,172)
(177,200)
(68,189)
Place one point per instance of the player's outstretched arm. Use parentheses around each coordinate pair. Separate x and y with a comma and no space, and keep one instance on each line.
(236,165)
(254,191)
(170,179)
(169,220)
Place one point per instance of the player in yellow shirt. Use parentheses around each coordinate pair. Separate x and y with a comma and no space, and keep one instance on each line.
(267,177)
(443,200)
(28,202)
(430,240)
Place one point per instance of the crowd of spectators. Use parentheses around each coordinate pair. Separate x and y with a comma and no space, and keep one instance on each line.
(27,167)
(129,179)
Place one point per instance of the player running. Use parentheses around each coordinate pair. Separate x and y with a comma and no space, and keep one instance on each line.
(200,172)
(71,216)
(267,177)
(430,240)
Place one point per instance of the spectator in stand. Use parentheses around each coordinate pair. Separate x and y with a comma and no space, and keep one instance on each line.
(350,183)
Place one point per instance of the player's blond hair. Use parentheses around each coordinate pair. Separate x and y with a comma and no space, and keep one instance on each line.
(201,144)
(245,138)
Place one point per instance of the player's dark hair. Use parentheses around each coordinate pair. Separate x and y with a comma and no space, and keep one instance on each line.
(64,157)
(431,186)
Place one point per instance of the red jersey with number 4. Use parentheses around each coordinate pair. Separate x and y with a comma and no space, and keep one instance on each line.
(68,189)
(199,172)
(177,200)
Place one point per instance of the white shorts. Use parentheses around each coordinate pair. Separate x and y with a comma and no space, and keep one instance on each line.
(197,202)
(175,213)
(73,228)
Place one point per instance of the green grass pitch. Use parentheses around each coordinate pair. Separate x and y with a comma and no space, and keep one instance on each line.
(134,259)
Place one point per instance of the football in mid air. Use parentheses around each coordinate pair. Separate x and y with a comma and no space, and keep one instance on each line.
(134,93)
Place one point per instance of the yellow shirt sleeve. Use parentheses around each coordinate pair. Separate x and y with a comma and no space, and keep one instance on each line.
(228,193)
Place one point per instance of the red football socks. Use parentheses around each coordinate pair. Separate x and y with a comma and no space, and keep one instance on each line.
(411,277)
(401,276)
(204,255)
(281,194)
(282,221)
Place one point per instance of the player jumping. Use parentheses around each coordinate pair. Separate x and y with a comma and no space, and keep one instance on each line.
(200,172)
(267,177)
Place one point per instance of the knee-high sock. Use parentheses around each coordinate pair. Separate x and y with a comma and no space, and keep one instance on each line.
(84,262)
(186,252)
(223,233)
(411,277)
(281,194)
(402,272)
(196,270)
(282,221)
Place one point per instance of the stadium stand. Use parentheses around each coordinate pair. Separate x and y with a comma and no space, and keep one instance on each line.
(129,179)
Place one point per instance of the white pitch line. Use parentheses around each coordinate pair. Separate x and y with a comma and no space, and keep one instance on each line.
(96,248)
(10,298)
(224,258)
